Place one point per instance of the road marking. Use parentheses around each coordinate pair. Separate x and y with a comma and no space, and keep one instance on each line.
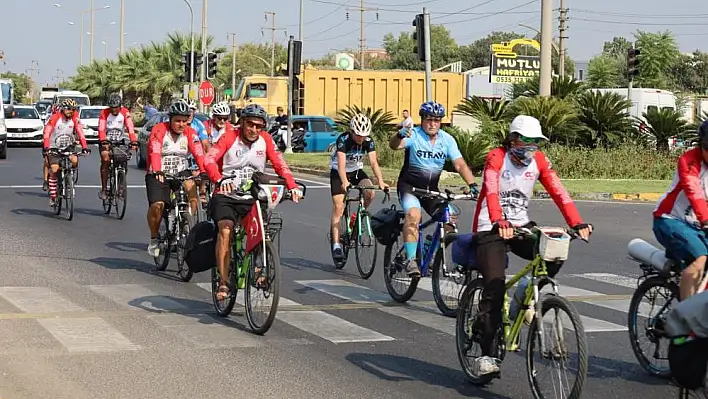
(138,296)
(87,335)
(346,290)
(38,300)
(206,331)
(622,281)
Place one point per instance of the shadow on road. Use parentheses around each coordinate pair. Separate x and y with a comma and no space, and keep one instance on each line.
(203,312)
(127,246)
(132,264)
(90,212)
(603,368)
(399,368)
(34,212)
(299,263)
(38,194)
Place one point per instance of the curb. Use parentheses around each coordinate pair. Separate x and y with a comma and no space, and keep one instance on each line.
(618,197)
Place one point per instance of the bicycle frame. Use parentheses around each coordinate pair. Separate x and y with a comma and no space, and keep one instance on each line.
(427,257)
(360,208)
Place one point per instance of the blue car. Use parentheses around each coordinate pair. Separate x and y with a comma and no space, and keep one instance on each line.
(320,132)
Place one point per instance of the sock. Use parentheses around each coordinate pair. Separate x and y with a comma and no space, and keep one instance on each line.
(52,187)
(336,245)
(411,248)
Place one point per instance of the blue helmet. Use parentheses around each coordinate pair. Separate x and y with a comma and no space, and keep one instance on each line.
(431,108)
(703,132)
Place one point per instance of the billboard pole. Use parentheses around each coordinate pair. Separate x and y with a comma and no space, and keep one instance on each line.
(546,44)
(428,67)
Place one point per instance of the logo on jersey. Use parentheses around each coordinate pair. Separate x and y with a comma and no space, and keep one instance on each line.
(529,176)
(506,175)
(430,154)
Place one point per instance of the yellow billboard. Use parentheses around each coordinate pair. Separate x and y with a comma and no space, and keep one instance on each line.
(509,67)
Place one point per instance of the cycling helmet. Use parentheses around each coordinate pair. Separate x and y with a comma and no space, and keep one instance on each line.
(221,109)
(69,103)
(431,108)
(192,104)
(114,101)
(703,134)
(179,107)
(254,111)
(360,125)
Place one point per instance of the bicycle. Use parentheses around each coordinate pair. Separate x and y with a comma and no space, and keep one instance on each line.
(117,185)
(666,276)
(356,233)
(177,221)
(396,264)
(508,334)
(66,191)
(245,271)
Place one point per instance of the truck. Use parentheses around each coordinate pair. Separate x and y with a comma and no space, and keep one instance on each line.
(645,99)
(48,93)
(7,90)
(80,98)
(324,92)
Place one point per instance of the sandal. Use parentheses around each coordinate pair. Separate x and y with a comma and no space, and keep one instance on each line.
(223,293)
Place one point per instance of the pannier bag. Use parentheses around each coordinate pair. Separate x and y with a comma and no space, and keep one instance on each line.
(687,327)
(200,249)
(387,224)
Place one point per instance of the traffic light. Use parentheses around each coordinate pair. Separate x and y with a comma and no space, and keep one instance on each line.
(211,65)
(296,53)
(633,62)
(187,66)
(198,61)
(419,36)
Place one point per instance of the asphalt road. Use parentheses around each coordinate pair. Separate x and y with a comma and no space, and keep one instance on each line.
(83,314)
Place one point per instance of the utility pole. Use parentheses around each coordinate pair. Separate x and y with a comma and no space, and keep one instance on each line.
(362,38)
(233,64)
(205,50)
(92,31)
(272,28)
(32,70)
(562,28)
(302,19)
(428,65)
(58,76)
(546,43)
(122,26)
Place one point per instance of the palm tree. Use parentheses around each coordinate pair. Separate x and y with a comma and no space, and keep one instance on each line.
(381,122)
(563,87)
(558,117)
(474,147)
(605,116)
(478,107)
(663,124)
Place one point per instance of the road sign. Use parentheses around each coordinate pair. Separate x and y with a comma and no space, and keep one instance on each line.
(206,92)
(228,92)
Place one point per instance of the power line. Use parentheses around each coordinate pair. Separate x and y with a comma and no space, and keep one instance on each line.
(339,6)
(640,23)
(339,37)
(617,14)
(493,14)
(468,8)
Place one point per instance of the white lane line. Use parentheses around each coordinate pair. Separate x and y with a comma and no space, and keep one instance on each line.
(319,323)
(38,300)
(609,278)
(137,296)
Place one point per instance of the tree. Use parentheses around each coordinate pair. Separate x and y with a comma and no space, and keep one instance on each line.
(443,49)
(479,53)
(690,72)
(659,53)
(251,59)
(557,117)
(478,107)
(560,87)
(605,116)
(664,124)
(23,86)
(604,71)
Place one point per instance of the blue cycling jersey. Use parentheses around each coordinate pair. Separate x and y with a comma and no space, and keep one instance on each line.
(200,128)
(424,162)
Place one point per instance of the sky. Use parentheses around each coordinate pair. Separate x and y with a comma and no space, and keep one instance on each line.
(39,31)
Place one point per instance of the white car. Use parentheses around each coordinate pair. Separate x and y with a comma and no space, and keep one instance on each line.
(25,127)
(89,120)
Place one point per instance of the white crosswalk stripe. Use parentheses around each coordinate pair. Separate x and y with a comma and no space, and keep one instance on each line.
(80,329)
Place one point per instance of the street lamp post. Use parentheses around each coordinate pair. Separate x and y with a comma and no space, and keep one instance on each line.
(81,15)
(191,40)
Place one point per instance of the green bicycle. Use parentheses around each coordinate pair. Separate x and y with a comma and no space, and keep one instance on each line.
(551,242)
(355,233)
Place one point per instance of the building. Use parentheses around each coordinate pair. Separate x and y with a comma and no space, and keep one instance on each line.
(581,70)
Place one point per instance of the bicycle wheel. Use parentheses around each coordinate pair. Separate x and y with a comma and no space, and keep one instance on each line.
(467,337)
(448,282)
(265,282)
(653,324)
(120,193)
(557,350)
(399,285)
(69,195)
(224,307)
(57,198)
(165,246)
(343,240)
(76,176)
(108,201)
(183,271)
(364,243)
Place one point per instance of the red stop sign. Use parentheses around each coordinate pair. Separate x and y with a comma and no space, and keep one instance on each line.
(206,92)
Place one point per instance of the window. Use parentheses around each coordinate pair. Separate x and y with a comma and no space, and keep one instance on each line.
(79,100)
(257,90)
(320,125)
(91,113)
(26,113)
(665,108)
(652,108)
(300,125)
(5,89)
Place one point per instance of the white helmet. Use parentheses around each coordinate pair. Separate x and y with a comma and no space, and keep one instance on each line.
(360,125)
(192,104)
(221,109)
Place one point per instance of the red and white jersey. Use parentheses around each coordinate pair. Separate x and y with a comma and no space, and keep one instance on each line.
(170,153)
(59,131)
(686,197)
(107,122)
(241,159)
(507,190)
(214,133)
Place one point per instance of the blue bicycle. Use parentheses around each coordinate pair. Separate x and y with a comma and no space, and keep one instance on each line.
(447,279)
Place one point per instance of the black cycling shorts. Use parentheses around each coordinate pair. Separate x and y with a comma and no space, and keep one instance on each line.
(335,183)
(431,206)
(222,207)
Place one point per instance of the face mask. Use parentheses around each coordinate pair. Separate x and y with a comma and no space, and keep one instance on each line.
(523,155)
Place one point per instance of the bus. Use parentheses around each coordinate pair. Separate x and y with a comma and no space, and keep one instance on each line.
(7,90)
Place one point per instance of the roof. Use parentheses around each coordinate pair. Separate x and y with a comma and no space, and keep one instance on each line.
(93,107)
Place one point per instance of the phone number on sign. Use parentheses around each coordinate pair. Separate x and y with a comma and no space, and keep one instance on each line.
(509,79)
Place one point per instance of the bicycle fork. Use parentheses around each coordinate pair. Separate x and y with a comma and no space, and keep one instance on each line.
(538,307)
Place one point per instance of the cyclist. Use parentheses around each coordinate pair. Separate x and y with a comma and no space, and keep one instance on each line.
(59,134)
(510,173)
(53,109)
(173,139)
(427,148)
(215,128)
(681,216)
(347,165)
(244,150)
(116,116)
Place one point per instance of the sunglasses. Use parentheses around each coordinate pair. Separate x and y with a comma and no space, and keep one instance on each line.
(437,120)
(529,140)
(221,118)
(255,124)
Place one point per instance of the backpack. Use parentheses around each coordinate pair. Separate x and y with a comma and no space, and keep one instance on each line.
(687,326)
(464,251)
(200,249)
(387,224)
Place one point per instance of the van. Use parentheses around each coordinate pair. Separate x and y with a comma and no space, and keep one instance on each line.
(645,100)
(80,98)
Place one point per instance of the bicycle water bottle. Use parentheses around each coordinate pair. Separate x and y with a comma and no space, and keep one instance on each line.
(426,243)
(352,221)
(518,298)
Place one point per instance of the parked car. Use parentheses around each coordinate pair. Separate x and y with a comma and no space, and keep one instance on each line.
(89,120)
(320,131)
(25,126)
(144,135)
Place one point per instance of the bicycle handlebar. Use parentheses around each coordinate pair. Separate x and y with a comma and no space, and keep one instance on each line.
(447,195)
(66,151)
(523,232)
(287,195)
(386,191)
(119,142)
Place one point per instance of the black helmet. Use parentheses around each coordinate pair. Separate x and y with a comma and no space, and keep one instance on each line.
(254,111)
(179,107)
(114,101)
(703,134)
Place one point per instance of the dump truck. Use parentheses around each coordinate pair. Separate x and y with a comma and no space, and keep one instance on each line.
(324,92)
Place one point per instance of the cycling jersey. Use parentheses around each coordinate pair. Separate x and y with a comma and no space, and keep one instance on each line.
(354,152)
(686,198)
(107,122)
(198,126)
(507,189)
(423,163)
(59,131)
(163,146)
(241,159)
(213,133)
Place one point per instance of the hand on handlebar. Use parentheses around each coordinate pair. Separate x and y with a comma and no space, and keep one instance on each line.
(583,231)
(295,195)
(346,186)
(86,151)
(506,229)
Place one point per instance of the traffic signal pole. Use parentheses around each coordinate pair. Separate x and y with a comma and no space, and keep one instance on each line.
(428,67)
